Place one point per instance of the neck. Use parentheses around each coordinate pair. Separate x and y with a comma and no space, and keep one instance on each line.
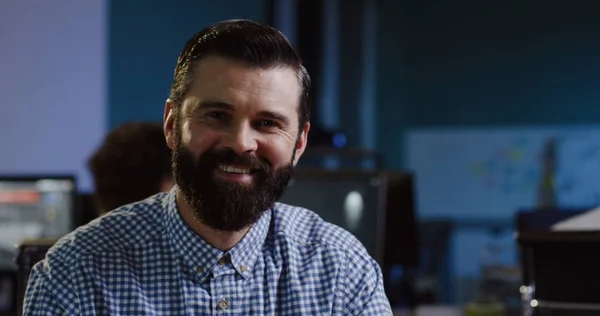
(222,240)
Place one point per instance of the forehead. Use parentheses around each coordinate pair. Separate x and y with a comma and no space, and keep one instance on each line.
(245,87)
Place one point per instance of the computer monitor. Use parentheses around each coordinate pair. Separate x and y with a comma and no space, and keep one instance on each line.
(377,207)
(33,207)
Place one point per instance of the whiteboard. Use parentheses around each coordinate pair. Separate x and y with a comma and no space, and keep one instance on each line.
(490,173)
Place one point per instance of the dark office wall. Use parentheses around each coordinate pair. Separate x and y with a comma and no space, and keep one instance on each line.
(145,38)
(470,62)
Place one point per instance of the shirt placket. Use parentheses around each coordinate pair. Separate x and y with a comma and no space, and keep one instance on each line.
(222,285)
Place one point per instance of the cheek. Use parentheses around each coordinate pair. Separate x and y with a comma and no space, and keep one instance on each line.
(200,140)
(278,151)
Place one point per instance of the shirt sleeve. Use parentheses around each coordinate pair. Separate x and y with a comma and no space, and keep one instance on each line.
(48,292)
(364,288)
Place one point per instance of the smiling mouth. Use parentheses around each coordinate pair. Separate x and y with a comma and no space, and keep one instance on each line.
(236,169)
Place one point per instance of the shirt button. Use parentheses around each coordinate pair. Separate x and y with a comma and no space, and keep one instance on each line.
(223,260)
(244,268)
(200,269)
(223,305)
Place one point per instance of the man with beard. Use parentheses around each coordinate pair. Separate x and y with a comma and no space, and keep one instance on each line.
(237,121)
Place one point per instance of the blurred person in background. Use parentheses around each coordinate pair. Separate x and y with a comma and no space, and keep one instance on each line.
(132,163)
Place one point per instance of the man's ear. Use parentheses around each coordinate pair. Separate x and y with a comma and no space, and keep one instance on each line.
(169,123)
(302,142)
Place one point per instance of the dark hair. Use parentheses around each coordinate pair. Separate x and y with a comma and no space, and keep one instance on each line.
(130,165)
(251,43)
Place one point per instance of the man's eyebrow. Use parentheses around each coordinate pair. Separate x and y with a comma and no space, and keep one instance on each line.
(215,105)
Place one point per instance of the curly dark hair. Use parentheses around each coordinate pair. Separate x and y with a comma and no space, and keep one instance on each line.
(130,165)
(254,44)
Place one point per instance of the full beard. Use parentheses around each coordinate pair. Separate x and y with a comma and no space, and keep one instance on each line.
(227,205)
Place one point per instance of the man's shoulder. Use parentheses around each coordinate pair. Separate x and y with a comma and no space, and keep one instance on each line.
(304,226)
(128,226)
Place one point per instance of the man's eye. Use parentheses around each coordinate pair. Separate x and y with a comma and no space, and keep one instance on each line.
(268,123)
(217,115)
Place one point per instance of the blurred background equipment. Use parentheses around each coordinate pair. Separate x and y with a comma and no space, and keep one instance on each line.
(561,273)
(34,207)
(31,207)
(30,252)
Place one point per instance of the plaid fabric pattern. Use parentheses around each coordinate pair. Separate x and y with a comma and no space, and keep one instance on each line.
(142,259)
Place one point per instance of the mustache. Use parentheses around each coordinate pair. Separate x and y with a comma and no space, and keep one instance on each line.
(230,157)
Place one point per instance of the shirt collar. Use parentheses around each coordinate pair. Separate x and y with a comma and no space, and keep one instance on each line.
(199,255)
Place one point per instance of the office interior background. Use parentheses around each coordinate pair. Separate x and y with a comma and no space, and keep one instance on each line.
(472,98)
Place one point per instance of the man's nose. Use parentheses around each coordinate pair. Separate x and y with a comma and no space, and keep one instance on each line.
(241,139)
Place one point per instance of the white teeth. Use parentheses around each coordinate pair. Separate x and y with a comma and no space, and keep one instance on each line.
(234,169)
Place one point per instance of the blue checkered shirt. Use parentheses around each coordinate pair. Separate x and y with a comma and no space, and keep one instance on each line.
(142,259)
